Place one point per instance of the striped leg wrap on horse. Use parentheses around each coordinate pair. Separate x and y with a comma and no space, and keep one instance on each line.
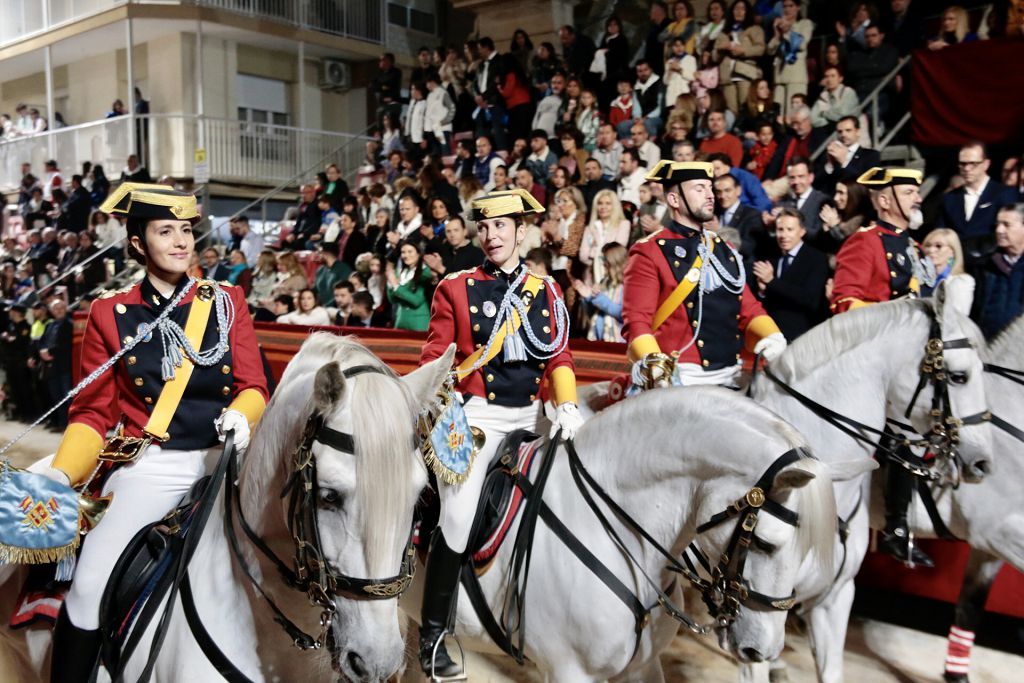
(958,650)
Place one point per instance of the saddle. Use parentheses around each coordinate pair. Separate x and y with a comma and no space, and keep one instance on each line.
(141,575)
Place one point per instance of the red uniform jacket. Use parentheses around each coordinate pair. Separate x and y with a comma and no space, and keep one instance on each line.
(131,388)
(463,312)
(656,266)
(874,264)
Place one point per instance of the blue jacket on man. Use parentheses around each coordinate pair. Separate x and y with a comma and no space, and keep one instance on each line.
(993,197)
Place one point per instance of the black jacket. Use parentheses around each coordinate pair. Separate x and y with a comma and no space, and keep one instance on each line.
(754,240)
(796,300)
(863,159)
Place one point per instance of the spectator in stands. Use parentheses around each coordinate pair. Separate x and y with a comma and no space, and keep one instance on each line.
(457,253)
(761,155)
(100,185)
(55,353)
(28,182)
(852,210)
(413,132)
(867,68)
(680,70)
(440,112)
(245,240)
(844,158)
(836,101)
(52,180)
(386,86)
(802,196)
(307,218)
(587,122)
(36,211)
(653,48)
(625,107)
(564,233)
(336,188)
(10,251)
(684,151)
(731,213)
(501,180)
(407,289)
(942,248)
(573,157)
(683,26)
(608,151)
(543,68)
(330,272)
(614,52)
(1000,281)
(955,29)
(546,115)
(906,27)
(68,249)
(424,67)
(486,161)
(650,93)
(757,109)
(792,284)
(642,144)
(526,180)
(213,268)
(39,124)
(593,181)
(751,192)
(14,344)
(308,311)
(604,298)
(117,108)
(789,43)
(351,240)
(90,272)
(971,210)
(514,88)
(239,273)
(737,49)
(43,252)
(631,177)
(541,157)
(264,278)
(488,99)
(801,143)
(470,189)
(291,278)
(135,173)
(362,313)
(577,50)
(410,217)
(721,140)
(607,225)
(708,101)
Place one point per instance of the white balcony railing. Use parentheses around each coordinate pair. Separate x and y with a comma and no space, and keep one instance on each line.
(359,19)
(236,151)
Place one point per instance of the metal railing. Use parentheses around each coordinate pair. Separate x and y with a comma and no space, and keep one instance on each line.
(358,19)
(236,151)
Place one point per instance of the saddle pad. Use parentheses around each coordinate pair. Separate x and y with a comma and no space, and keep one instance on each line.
(505,500)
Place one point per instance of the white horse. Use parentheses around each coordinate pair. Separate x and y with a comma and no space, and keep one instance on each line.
(865,364)
(365,502)
(671,459)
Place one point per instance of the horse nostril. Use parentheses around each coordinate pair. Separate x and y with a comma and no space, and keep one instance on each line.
(983,467)
(752,654)
(357,664)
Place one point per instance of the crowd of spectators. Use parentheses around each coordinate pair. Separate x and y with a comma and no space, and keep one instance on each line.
(577,125)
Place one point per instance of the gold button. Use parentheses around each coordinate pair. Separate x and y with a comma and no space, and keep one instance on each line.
(545,313)
(121,308)
(473,309)
(739,297)
(225,369)
(737,316)
(476,327)
(490,377)
(888,254)
(718,240)
(546,329)
(694,323)
(148,399)
(700,343)
(689,304)
(675,263)
(705,363)
(732,258)
(737,356)
(536,380)
(226,390)
(470,282)
(490,396)
(661,242)
(895,293)
(132,360)
(139,381)
(892,273)
(128,340)
(479,345)
(533,397)
(737,337)
(542,365)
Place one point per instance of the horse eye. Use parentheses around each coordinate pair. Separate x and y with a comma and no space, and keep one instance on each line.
(958,377)
(764,546)
(329,498)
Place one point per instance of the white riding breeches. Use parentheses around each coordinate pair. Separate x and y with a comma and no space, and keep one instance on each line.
(144,491)
(459,501)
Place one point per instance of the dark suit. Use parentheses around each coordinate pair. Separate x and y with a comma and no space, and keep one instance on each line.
(983,220)
(810,210)
(863,159)
(218,273)
(377,319)
(796,299)
(753,237)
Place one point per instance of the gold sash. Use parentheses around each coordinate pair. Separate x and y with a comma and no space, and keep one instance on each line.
(532,286)
(679,294)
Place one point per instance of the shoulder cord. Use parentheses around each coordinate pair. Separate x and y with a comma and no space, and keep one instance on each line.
(201,358)
(174,341)
(924,269)
(732,284)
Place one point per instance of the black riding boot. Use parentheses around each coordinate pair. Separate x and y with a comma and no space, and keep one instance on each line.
(440,590)
(75,652)
(895,541)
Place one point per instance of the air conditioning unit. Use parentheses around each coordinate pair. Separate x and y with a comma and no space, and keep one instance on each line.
(335,75)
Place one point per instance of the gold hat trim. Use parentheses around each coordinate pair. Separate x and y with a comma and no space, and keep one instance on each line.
(666,167)
(507,203)
(181,205)
(884,177)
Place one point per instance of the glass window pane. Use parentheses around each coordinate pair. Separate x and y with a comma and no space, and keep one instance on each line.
(397,14)
(421,21)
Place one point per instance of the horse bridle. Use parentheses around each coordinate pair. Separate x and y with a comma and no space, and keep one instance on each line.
(311,573)
(727,589)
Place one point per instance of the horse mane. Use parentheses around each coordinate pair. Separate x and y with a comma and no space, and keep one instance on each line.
(843,333)
(380,406)
(1006,346)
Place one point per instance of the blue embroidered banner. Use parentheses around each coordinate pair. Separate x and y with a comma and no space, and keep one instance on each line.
(39,520)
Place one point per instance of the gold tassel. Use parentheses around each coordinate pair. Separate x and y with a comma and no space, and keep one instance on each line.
(440,470)
(12,554)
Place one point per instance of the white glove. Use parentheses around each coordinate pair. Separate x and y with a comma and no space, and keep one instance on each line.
(56,475)
(232,419)
(771,347)
(568,419)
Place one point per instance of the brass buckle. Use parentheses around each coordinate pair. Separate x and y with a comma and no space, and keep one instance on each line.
(121,448)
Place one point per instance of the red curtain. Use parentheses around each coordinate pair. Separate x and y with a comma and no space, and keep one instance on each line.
(969,92)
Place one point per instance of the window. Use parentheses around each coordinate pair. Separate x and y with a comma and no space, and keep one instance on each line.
(415,19)
(262,106)
(421,21)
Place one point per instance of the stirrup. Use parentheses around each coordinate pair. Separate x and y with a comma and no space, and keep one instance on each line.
(461,676)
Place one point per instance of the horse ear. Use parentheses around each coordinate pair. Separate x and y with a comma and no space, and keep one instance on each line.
(850,469)
(427,379)
(793,477)
(939,299)
(328,388)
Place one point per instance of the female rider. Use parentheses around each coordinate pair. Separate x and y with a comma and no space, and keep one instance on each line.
(190,372)
(501,367)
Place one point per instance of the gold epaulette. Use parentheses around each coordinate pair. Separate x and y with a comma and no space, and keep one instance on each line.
(545,278)
(648,238)
(224,283)
(467,271)
(866,228)
(110,293)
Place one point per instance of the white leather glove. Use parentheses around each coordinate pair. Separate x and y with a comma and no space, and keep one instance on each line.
(568,419)
(771,347)
(56,475)
(232,419)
